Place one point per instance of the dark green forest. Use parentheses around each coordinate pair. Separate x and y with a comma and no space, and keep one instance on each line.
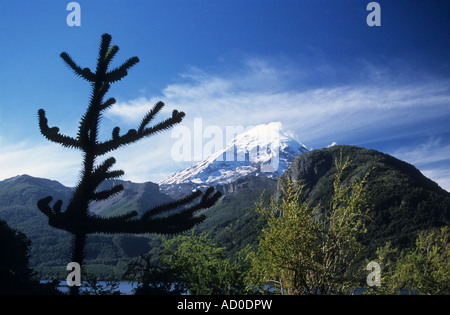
(232,222)
(401,200)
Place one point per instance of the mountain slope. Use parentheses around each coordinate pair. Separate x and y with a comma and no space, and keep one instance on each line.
(403,201)
(19,196)
(139,197)
(50,249)
(261,151)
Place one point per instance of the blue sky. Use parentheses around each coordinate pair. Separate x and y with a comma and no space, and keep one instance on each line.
(314,65)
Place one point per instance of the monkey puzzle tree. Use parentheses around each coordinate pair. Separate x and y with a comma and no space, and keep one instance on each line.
(76,218)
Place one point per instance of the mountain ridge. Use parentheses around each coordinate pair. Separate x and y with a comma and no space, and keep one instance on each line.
(401,199)
(406,202)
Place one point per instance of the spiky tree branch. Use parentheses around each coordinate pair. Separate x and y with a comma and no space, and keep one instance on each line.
(170,218)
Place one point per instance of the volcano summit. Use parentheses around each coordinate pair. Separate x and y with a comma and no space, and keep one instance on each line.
(263,150)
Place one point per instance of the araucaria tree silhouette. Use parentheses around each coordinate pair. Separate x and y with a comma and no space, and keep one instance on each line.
(77,219)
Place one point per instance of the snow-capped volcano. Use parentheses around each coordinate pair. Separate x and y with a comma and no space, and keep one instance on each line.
(261,151)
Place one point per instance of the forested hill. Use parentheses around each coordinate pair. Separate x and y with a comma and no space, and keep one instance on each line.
(50,248)
(402,200)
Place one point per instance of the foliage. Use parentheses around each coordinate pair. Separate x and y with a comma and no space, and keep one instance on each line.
(190,264)
(202,266)
(151,278)
(14,272)
(16,277)
(402,203)
(303,251)
(422,269)
(426,268)
(93,286)
(76,219)
(232,222)
(402,200)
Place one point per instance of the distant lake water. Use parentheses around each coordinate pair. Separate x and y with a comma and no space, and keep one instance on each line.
(124,287)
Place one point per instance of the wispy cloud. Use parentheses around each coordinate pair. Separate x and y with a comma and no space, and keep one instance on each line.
(440,176)
(430,152)
(260,92)
(257,94)
(132,110)
(250,98)
(431,157)
(40,160)
(143,161)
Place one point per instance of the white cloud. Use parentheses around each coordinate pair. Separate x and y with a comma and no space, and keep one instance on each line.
(40,160)
(430,152)
(256,93)
(432,158)
(147,160)
(132,110)
(440,176)
(248,98)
